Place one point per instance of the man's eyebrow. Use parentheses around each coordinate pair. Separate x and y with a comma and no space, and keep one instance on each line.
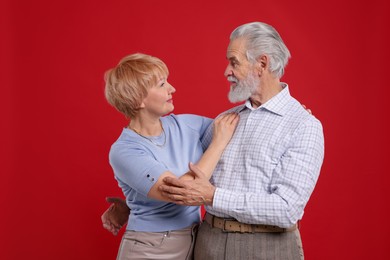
(232,58)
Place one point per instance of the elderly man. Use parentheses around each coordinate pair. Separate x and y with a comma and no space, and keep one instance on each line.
(265,177)
(260,187)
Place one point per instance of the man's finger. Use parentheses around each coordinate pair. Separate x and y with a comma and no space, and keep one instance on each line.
(113,200)
(112,229)
(111,207)
(173,182)
(170,190)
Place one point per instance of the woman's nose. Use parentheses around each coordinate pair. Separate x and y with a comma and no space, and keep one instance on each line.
(171,89)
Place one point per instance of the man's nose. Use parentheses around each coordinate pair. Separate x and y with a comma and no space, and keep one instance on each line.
(228,71)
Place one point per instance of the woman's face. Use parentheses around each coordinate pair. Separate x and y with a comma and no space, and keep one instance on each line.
(159,100)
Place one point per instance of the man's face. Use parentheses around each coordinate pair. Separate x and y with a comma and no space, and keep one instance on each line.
(240,72)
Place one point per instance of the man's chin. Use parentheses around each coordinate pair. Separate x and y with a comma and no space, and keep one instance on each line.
(236,99)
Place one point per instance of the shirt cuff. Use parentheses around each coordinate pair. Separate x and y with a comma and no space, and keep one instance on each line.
(150,178)
(220,203)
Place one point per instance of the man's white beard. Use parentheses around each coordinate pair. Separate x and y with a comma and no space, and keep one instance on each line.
(244,88)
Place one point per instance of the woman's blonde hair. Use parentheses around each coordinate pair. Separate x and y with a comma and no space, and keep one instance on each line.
(127,84)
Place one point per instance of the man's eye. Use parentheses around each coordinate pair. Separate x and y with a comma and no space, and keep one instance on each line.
(162,84)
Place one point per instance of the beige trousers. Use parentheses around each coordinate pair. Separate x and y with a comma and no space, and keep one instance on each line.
(177,244)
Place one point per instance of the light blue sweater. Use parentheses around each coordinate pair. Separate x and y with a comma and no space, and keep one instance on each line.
(138,163)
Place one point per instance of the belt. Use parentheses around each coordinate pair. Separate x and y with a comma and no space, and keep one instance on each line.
(231,225)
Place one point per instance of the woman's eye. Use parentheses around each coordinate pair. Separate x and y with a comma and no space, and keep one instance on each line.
(162,84)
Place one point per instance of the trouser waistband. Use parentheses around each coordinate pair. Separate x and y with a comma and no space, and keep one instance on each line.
(231,225)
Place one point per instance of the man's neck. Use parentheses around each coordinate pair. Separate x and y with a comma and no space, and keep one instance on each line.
(266,91)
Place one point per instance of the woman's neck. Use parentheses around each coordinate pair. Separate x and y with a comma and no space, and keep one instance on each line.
(146,126)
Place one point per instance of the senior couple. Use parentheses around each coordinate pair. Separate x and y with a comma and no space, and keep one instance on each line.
(253,168)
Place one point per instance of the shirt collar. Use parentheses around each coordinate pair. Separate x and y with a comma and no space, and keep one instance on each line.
(276,104)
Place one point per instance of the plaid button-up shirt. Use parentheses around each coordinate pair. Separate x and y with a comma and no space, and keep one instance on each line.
(270,167)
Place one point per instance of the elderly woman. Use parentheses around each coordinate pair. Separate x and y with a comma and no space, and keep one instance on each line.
(154,146)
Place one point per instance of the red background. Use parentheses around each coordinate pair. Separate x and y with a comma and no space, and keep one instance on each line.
(56,127)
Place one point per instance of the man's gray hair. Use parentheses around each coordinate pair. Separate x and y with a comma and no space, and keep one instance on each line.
(264,39)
